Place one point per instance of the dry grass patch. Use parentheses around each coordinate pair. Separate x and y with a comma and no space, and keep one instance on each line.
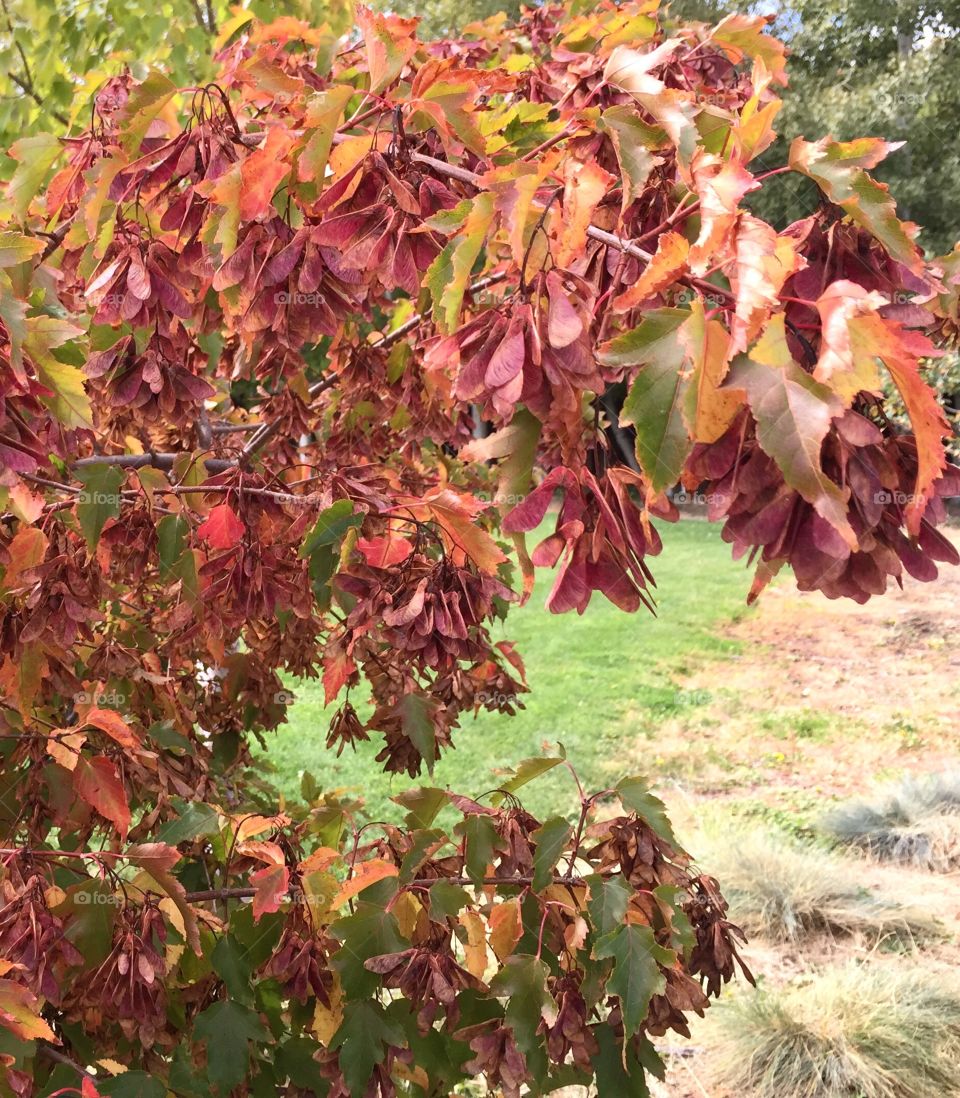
(915,823)
(784,890)
(887,1031)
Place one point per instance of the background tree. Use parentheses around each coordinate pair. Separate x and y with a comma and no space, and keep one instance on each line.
(247,327)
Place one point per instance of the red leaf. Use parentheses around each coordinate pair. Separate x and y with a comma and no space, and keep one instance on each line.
(271,884)
(222,529)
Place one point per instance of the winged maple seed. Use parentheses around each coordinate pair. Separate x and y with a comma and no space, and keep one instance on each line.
(290,365)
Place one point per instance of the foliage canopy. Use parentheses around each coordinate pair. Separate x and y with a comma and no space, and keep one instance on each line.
(249,329)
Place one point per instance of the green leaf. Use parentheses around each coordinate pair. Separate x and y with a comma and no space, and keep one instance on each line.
(35,157)
(422,804)
(171,534)
(68,399)
(654,404)
(231,962)
(608,901)
(99,500)
(839,169)
(481,840)
(636,975)
(449,273)
(196,820)
(551,839)
(793,414)
(146,101)
(330,527)
(228,1028)
(617,1069)
(16,248)
(447,900)
(361,1040)
(526,771)
(131,1084)
(323,113)
(369,932)
(416,720)
(425,844)
(89,911)
(523,981)
(633,142)
(635,794)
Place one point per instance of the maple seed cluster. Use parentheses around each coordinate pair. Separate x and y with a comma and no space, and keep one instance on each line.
(291,365)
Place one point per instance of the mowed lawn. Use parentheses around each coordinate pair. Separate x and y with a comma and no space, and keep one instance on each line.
(600,684)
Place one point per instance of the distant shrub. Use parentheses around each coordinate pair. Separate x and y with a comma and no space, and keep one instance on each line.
(850,1032)
(917,822)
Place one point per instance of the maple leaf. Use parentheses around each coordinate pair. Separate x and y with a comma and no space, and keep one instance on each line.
(763,262)
(742,35)
(389,43)
(708,408)
(449,273)
(634,143)
(721,184)
(221,528)
(793,414)
(271,884)
(98,782)
(901,351)
(584,186)
(19,1013)
(364,875)
(654,404)
(840,169)
(109,721)
(670,262)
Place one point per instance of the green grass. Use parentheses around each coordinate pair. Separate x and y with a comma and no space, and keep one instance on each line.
(600,684)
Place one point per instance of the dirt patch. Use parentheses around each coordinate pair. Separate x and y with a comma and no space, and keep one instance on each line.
(825,696)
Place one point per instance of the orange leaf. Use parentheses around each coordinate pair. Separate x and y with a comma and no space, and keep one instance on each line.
(27,550)
(763,263)
(63,746)
(475,946)
(506,928)
(667,265)
(901,350)
(262,171)
(583,188)
(19,1009)
(720,184)
(365,875)
(389,44)
(98,782)
(114,725)
(249,826)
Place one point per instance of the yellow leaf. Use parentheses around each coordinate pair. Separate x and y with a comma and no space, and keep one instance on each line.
(475,947)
